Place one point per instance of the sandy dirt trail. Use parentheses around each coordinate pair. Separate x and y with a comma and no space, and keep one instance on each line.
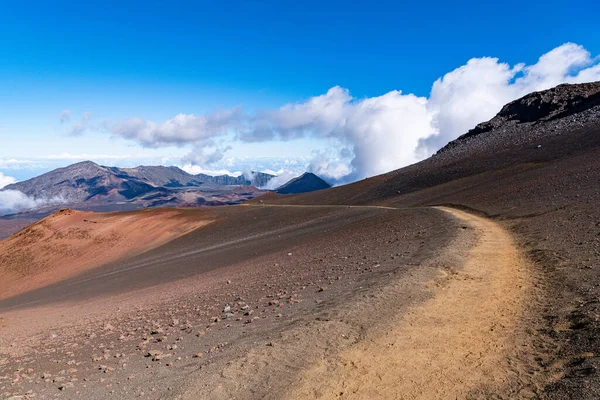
(462,343)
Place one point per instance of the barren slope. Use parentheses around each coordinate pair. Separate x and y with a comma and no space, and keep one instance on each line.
(462,338)
(70,242)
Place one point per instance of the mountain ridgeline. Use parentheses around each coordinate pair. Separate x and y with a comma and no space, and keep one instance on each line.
(87,185)
(149,185)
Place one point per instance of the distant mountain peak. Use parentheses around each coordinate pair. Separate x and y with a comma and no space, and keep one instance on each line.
(307,182)
(84,164)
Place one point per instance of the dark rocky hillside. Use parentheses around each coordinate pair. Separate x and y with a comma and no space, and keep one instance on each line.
(161,176)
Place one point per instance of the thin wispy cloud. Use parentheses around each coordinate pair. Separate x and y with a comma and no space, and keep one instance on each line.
(81,126)
(65,116)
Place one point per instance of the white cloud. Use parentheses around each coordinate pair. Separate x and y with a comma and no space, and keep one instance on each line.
(477,91)
(179,130)
(196,169)
(14,201)
(206,155)
(376,134)
(6,180)
(331,165)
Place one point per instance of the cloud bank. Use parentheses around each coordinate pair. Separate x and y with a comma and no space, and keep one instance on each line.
(6,180)
(371,135)
(14,201)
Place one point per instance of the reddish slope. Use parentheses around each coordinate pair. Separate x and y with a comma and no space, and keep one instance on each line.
(69,242)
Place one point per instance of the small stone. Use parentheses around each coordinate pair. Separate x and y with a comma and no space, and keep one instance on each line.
(65,386)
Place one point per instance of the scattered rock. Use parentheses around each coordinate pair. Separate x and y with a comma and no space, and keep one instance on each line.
(65,386)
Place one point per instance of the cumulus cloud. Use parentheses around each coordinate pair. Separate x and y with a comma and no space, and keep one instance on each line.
(65,116)
(6,180)
(15,201)
(331,165)
(475,92)
(179,130)
(206,155)
(375,134)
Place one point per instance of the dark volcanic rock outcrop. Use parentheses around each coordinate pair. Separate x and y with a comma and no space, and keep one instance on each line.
(558,102)
(307,182)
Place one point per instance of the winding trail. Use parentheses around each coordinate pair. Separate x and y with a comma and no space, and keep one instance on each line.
(460,343)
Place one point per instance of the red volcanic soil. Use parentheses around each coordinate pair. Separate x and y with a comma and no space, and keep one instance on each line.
(70,242)
(9,226)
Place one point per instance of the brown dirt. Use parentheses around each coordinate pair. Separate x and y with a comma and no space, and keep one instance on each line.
(457,343)
(69,242)
(352,253)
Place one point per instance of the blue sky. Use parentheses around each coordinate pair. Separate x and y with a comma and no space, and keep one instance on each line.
(153,60)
